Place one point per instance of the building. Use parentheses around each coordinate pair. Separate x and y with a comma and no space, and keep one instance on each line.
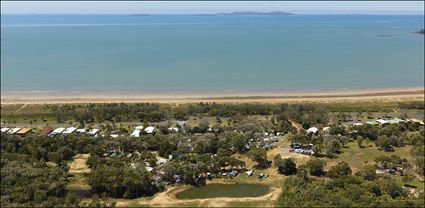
(80,130)
(46,130)
(69,130)
(24,131)
(57,131)
(93,132)
(13,131)
(4,130)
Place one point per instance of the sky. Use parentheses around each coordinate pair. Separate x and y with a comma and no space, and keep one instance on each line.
(190,7)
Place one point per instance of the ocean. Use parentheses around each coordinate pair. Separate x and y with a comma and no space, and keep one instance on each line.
(210,53)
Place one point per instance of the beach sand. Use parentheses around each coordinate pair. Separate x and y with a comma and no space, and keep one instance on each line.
(358,95)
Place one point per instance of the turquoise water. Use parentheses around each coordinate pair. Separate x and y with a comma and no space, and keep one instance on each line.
(224,190)
(187,52)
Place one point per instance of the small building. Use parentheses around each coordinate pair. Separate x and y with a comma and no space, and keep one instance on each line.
(80,130)
(46,130)
(327,128)
(312,130)
(4,130)
(69,130)
(357,124)
(250,173)
(93,132)
(149,129)
(13,131)
(24,131)
(57,131)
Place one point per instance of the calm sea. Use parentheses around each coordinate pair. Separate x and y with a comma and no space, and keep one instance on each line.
(188,52)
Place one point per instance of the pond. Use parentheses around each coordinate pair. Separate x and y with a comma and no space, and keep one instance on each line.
(224,190)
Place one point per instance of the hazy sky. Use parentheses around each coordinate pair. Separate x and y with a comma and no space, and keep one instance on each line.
(96,7)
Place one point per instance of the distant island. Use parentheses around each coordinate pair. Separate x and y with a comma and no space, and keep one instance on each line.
(141,15)
(421,31)
(247,13)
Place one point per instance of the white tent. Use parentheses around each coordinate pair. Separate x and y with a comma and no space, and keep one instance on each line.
(136,133)
(312,130)
(149,129)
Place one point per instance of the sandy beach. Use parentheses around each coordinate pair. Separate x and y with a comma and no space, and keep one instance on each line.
(358,95)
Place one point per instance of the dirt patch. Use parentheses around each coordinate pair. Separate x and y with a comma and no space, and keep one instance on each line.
(79,165)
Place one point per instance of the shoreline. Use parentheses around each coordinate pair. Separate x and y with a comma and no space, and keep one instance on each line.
(230,96)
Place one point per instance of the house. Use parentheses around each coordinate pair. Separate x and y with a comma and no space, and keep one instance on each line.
(312,130)
(357,124)
(114,135)
(80,130)
(93,132)
(47,130)
(69,130)
(149,129)
(24,131)
(4,130)
(250,173)
(57,131)
(13,131)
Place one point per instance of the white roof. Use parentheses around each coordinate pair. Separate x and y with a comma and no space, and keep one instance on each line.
(173,129)
(139,127)
(114,135)
(81,130)
(381,121)
(396,120)
(93,131)
(136,133)
(58,131)
(3,130)
(312,130)
(357,124)
(149,129)
(14,130)
(149,168)
(326,128)
(69,130)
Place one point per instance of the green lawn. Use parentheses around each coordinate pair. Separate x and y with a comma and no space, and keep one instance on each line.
(357,157)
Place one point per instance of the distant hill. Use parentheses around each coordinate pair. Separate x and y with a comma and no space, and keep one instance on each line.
(275,13)
(421,31)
